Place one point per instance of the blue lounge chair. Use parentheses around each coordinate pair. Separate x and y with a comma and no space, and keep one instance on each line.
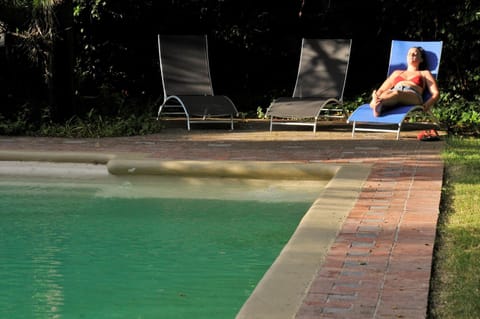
(363,119)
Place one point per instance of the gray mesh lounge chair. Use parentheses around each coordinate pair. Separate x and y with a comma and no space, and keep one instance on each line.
(187,85)
(318,92)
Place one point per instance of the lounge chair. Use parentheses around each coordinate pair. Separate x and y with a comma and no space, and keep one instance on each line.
(319,86)
(391,121)
(187,85)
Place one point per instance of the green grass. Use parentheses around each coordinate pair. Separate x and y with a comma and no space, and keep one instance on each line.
(455,287)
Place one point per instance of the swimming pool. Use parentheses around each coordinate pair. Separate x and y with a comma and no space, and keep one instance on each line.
(57,275)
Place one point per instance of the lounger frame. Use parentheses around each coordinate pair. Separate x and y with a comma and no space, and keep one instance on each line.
(187,84)
(319,86)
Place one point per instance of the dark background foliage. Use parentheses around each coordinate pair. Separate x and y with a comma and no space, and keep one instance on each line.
(254,48)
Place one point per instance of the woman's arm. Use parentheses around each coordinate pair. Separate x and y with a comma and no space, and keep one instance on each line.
(432,88)
(387,84)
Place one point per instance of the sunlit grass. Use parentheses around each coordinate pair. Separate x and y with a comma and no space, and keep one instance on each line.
(456,272)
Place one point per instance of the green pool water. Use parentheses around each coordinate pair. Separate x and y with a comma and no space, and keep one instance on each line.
(188,249)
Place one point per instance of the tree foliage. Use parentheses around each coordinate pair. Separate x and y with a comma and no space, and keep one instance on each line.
(254,46)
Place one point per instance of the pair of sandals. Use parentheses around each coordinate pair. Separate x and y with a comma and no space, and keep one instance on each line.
(428,135)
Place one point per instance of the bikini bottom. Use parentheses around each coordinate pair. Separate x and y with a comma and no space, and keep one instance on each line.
(406,88)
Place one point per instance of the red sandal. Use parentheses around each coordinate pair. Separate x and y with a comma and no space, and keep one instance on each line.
(428,135)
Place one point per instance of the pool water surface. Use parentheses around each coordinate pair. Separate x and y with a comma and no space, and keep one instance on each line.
(141,247)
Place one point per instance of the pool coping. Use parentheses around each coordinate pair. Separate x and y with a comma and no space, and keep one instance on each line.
(302,257)
(304,254)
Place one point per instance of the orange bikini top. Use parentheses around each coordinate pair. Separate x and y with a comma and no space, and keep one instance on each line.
(418,80)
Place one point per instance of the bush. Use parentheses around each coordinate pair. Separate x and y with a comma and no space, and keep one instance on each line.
(93,124)
(459,116)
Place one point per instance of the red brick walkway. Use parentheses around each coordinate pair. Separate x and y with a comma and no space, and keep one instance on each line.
(379,266)
(380,263)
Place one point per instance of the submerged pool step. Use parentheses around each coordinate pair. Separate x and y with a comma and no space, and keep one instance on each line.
(234,169)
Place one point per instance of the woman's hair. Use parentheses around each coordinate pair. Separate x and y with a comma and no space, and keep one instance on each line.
(423,65)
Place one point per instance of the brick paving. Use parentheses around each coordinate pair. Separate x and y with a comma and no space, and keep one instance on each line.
(380,263)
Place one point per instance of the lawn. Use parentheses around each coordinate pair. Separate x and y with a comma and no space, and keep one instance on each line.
(455,286)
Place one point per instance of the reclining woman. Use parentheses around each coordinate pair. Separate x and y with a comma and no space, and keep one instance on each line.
(406,87)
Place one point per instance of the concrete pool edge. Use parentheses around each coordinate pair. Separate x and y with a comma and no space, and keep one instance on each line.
(56,157)
(304,254)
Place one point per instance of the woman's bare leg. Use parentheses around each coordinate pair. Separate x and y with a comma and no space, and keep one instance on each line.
(376,104)
(389,99)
